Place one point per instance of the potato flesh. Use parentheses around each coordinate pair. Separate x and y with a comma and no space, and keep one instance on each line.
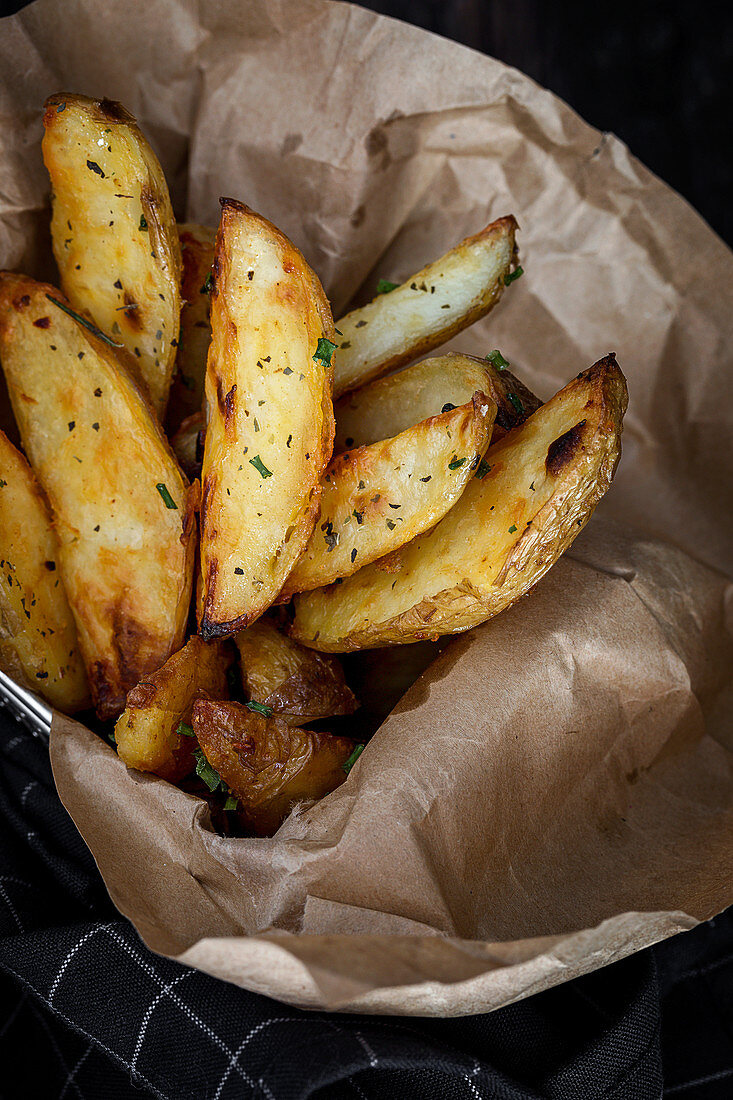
(270,432)
(377,498)
(266,763)
(187,390)
(298,684)
(113,231)
(38,642)
(125,557)
(427,309)
(187,445)
(147,731)
(504,533)
(382,409)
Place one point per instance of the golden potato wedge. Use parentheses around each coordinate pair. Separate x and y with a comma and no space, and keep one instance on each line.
(188,445)
(427,309)
(390,405)
(296,683)
(147,732)
(113,231)
(122,510)
(268,764)
(187,390)
(377,498)
(270,432)
(38,643)
(531,496)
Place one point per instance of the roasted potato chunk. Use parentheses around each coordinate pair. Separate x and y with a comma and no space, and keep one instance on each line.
(391,405)
(188,445)
(122,509)
(113,231)
(531,496)
(377,498)
(147,732)
(296,683)
(187,391)
(427,309)
(270,432)
(38,643)
(268,764)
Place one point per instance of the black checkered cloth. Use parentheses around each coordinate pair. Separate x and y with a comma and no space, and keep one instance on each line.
(88,1013)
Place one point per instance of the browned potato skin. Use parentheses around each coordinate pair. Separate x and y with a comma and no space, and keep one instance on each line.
(187,390)
(509,527)
(399,488)
(263,316)
(146,732)
(388,406)
(298,684)
(130,601)
(411,336)
(39,647)
(268,764)
(113,231)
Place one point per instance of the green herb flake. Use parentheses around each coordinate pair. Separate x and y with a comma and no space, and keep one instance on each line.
(208,284)
(259,708)
(324,350)
(204,771)
(384,286)
(94,167)
(3,483)
(184,730)
(497,359)
(260,467)
(516,402)
(512,275)
(231,803)
(455,463)
(60,107)
(448,407)
(83,321)
(512,529)
(165,495)
(143,222)
(483,469)
(352,759)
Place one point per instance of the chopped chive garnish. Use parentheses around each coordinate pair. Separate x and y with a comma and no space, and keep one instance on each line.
(167,498)
(512,529)
(512,275)
(349,763)
(204,771)
(483,469)
(184,730)
(83,321)
(260,466)
(231,803)
(497,359)
(208,284)
(324,350)
(384,286)
(455,463)
(516,403)
(259,708)
(143,222)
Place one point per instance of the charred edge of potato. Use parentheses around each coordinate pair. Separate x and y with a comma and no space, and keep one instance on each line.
(209,627)
(515,402)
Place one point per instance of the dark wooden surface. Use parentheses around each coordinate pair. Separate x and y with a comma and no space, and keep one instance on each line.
(657,73)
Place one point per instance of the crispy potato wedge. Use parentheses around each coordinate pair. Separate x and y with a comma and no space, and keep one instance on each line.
(188,445)
(268,764)
(427,309)
(147,731)
(377,498)
(123,511)
(542,483)
(187,390)
(38,643)
(270,432)
(391,405)
(113,231)
(296,683)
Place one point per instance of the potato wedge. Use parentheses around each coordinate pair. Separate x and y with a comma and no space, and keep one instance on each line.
(113,231)
(188,445)
(38,642)
(542,483)
(123,511)
(268,764)
(296,683)
(187,390)
(427,309)
(147,732)
(377,498)
(391,405)
(270,432)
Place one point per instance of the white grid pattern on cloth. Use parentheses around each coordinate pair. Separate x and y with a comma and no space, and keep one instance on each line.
(670,1090)
(71,1078)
